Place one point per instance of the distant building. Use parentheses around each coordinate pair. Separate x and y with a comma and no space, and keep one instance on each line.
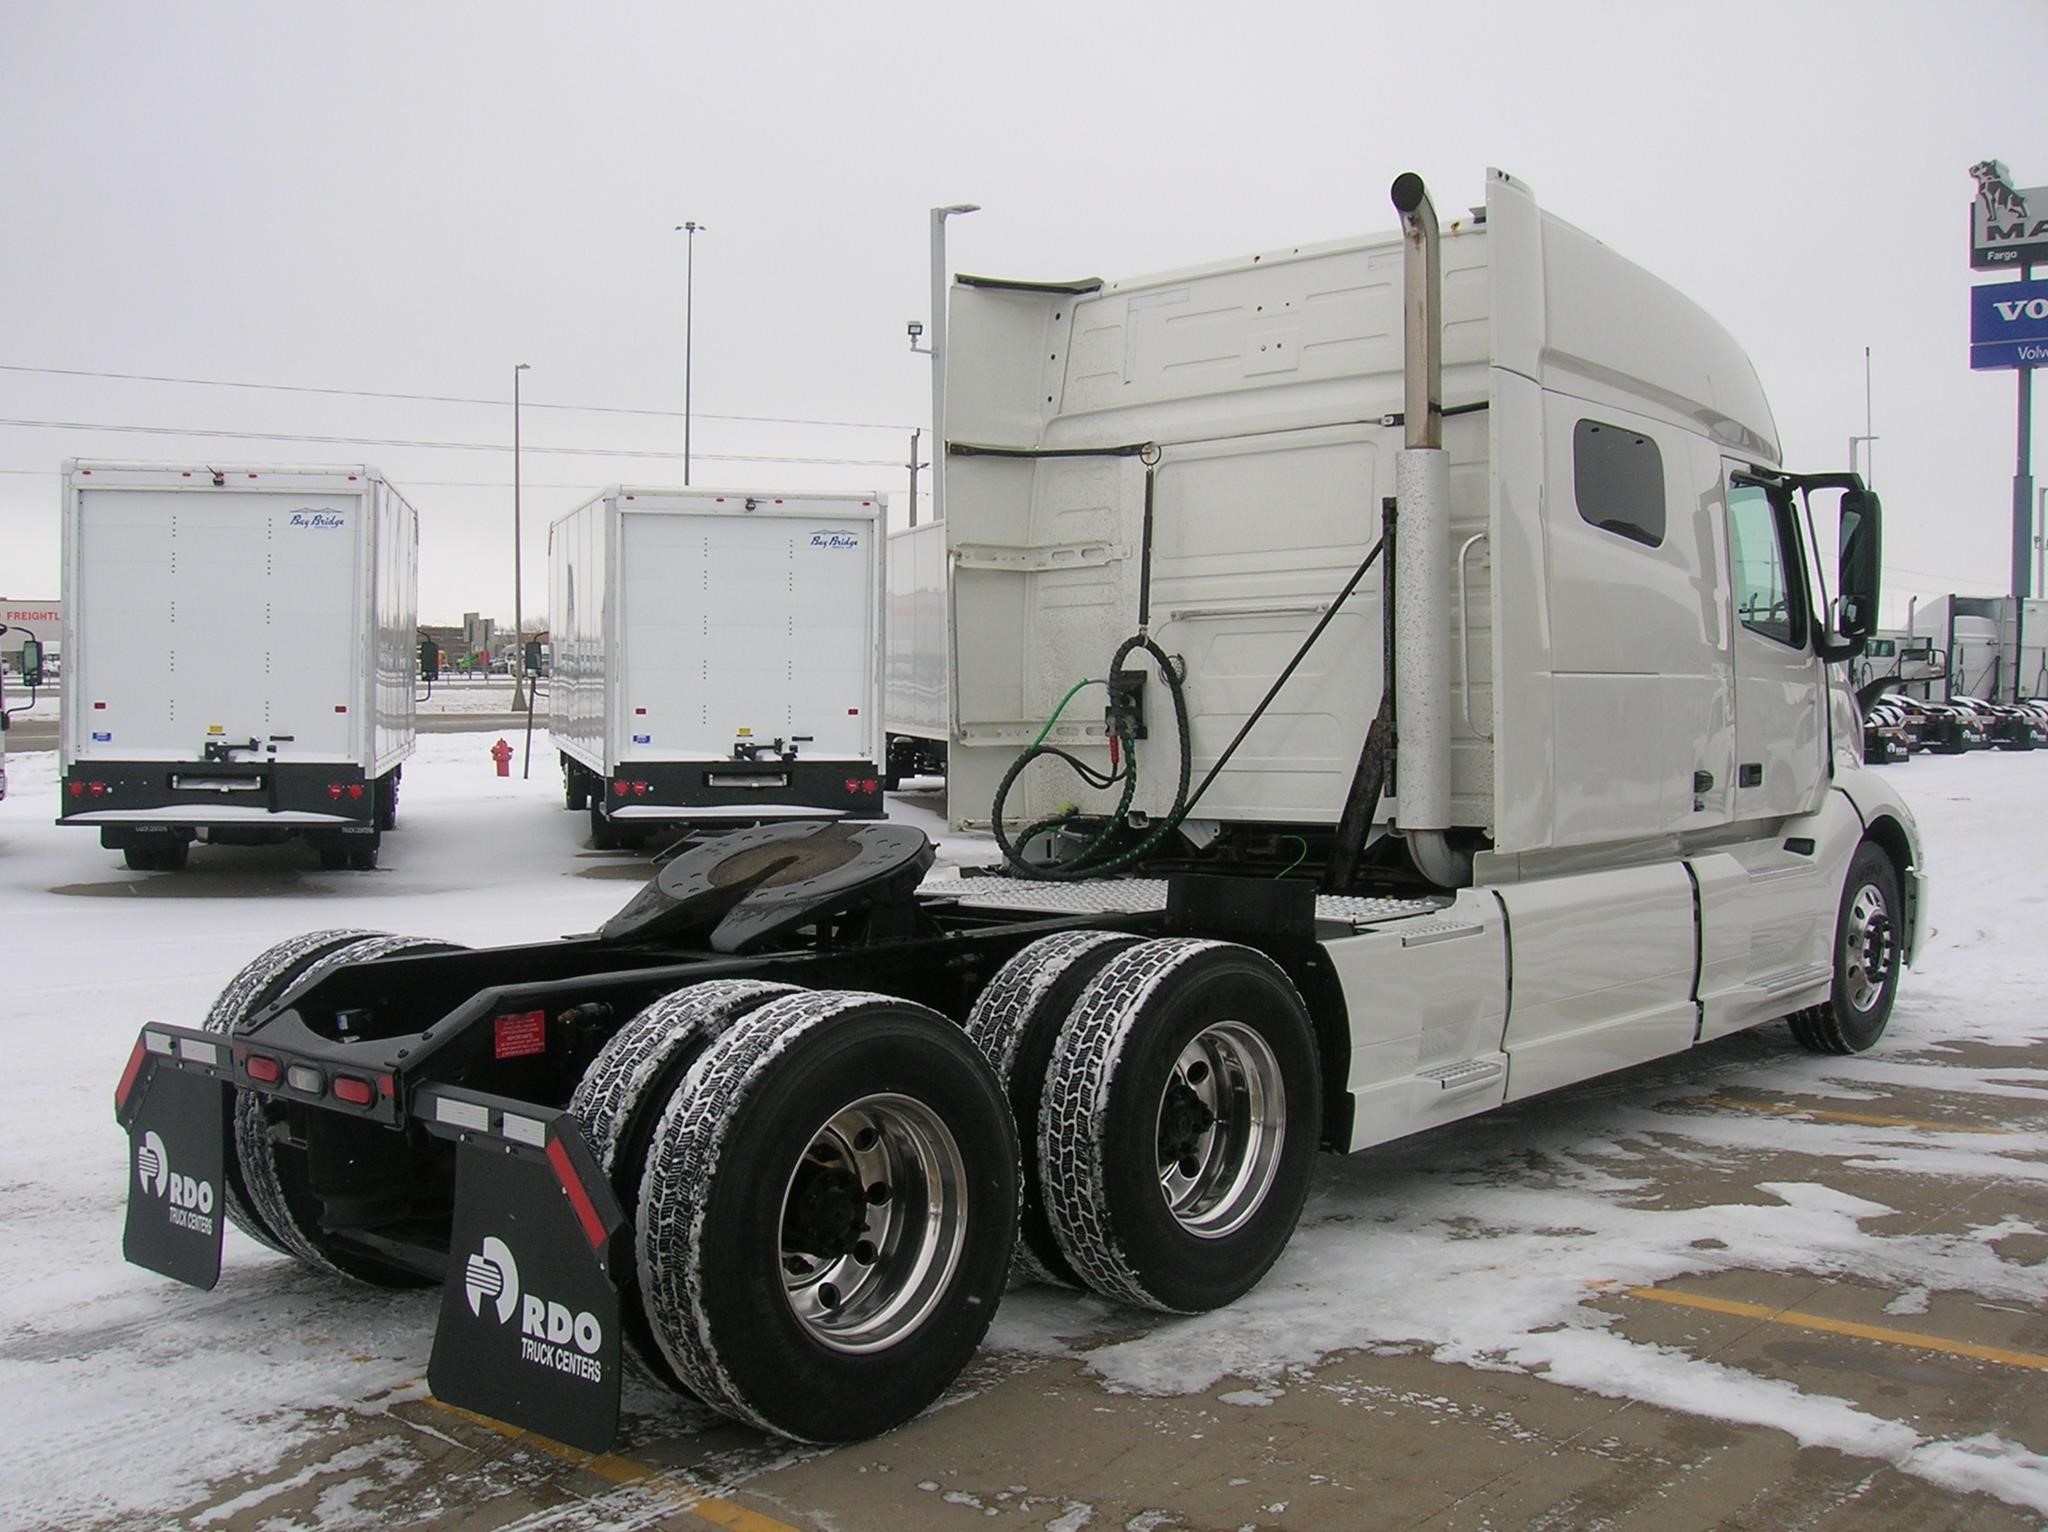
(43,620)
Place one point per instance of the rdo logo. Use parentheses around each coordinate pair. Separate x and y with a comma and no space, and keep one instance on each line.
(493,1274)
(546,1328)
(191,1199)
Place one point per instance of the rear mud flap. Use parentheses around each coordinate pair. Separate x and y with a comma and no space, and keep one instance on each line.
(174,1106)
(529,1327)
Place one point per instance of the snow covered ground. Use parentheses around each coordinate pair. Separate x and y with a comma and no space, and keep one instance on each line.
(1488,1245)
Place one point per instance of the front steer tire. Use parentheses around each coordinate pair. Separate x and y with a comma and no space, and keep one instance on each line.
(1181,1119)
(828,1215)
(1868,948)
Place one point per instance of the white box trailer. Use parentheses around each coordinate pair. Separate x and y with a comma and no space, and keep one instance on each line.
(919,703)
(239,657)
(716,658)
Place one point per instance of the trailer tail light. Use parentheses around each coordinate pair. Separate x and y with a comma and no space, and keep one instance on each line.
(519,1034)
(304,1077)
(355,1092)
(340,790)
(634,789)
(619,789)
(262,1067)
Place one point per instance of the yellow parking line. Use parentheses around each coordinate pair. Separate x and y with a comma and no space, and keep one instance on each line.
(1864,1119)
(618,1470)
(1842,1327)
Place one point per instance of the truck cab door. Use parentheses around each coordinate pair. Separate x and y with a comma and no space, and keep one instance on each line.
(1780,691)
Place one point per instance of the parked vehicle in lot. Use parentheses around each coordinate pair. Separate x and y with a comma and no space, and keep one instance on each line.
(918,698)
(1887,737)
(717,658)
(239,657)
(2004,725)
(1939,727)
(763,1128)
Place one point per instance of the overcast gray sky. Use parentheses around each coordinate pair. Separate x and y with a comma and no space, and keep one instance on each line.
(412,197)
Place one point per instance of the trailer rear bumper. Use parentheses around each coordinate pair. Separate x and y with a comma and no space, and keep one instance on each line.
(742,791)
(313,794)
(201,817)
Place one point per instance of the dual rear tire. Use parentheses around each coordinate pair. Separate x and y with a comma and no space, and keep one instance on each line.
(1169,1093)
(826,1201)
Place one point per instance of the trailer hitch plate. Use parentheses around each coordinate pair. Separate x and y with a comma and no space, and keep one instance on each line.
(529,1327)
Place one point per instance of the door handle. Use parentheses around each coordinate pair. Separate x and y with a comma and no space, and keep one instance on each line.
(1750,774)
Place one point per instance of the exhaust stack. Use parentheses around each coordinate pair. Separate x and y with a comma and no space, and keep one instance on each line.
(1422,558)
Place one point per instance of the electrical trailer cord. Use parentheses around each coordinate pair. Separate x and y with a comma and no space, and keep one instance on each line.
(1094,859)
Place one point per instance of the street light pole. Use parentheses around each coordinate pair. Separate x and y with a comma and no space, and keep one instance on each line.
(938,351)
(517,664)
(688,230)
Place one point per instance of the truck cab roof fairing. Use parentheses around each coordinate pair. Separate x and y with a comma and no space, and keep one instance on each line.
(1571,314)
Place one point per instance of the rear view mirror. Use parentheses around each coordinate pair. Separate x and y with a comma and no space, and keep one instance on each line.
(430,660)
(1857,582)
(31,662)
(533,656)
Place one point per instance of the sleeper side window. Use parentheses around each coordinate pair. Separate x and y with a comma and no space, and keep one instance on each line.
(1618,478)
(1765,601)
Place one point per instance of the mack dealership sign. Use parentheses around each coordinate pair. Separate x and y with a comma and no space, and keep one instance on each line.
(2008,325)
(2008,224)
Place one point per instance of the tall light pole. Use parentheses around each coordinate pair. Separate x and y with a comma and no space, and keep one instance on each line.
(1870,474)
(517,663)
(938,351)
(689,232)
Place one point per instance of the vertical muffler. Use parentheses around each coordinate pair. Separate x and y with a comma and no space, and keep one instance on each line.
(1422,557)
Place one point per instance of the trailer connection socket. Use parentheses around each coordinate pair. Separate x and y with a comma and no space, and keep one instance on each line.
(1125,713)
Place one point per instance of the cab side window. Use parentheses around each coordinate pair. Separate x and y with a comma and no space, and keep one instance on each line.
(1766,601)
(1618,481)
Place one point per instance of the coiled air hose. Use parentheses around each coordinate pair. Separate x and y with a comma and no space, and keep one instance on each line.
(1097,858)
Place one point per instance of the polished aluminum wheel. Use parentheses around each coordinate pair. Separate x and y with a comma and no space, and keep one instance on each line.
(874,1219)
(1870,948)
(1222,1121)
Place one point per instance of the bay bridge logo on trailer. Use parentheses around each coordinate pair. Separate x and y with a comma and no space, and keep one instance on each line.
(318,521)
(835,540)
(191,1200)
(550,1335)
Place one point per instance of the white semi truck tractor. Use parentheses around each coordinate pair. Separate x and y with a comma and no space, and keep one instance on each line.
(1462,719)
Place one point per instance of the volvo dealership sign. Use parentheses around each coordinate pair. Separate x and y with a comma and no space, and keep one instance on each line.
(2008,224)
(2008,325)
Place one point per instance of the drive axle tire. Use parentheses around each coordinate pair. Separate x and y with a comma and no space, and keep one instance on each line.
(262,980)
(620,1100)
(1869,945)
(1182,1114)
(828,1215)
(269,1196)
(1015,1023)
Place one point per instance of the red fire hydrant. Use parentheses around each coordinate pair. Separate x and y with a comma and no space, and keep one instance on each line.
(502,754)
